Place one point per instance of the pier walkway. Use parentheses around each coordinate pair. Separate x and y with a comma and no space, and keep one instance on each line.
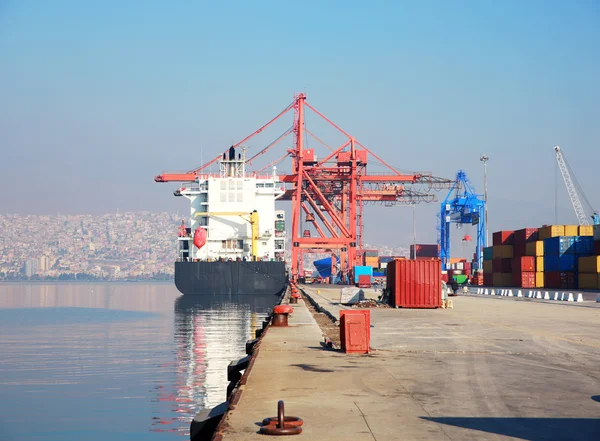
(489,369)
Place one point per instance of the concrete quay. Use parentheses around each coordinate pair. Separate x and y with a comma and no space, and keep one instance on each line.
(484,370)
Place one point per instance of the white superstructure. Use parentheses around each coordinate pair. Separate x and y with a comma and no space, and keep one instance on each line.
(222,204)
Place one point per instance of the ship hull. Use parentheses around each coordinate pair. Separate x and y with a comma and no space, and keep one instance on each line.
(230,278)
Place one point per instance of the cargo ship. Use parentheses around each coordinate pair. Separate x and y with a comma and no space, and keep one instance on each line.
(234,244)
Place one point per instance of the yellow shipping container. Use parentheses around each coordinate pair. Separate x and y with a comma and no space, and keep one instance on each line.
(551,231)
(535,248)
(539,264)
(586,230)
(539,280)
(589,264)
(589,281)
(487,266)
(571,230)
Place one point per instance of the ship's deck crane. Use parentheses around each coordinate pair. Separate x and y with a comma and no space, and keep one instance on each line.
(575,190)
(462,206)
(329,193)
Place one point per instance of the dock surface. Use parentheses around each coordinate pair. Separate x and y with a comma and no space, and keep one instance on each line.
(489,369)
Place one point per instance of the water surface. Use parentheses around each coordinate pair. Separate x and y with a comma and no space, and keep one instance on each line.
(114,361)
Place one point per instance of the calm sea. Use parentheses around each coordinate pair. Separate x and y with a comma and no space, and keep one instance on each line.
(114,361)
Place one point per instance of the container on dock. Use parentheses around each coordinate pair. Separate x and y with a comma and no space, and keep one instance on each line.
(502,279)
(586,230)
(488,266)
(370,253)
(560,280)
(571,230)
(415,283)
(597,232)
(596,247)
(523,264)
(551,231)
(535,248)
(559,245)
(564,262)
(584,245)
(526,235)
(539,279)
(503,238)
(589,281)
(590,264)
(539,264)
(520,249)
(524,279)
(488,253)
(362,270)
(425,250)
(503,252)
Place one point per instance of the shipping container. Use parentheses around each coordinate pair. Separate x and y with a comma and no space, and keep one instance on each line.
(425,250)
(571,230)
(488,266)
(488,253)
(539,263)
(488,279)
(364,281)
(520,249)
(503,252)
(523,280)
(596,247)
(589,281)
(460,278)
(560,280)
(551,231)
(586,230)
(503,238)
(523,264)
(559,245)
(539,279)
(597,232)
(564,262)
(415,283)
(498,279)
(589,264)
(526,235)
(584,245)
(370,253)
(385,259)
(362,270)
(535,248)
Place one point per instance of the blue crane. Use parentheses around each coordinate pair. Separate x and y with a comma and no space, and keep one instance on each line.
(462,206)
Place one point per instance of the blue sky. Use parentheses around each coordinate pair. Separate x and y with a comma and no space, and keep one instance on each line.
(98,97)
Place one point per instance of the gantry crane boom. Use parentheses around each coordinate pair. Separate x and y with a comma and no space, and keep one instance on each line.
(572,190)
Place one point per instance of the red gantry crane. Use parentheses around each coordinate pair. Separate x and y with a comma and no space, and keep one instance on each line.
(330,193)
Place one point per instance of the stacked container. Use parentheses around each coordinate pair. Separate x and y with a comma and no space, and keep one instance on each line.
(371,258)
(555,256)
(415,283)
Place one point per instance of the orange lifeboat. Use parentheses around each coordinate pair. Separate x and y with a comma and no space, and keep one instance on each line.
(200,237)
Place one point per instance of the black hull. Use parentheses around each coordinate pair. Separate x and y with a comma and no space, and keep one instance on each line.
(230,278)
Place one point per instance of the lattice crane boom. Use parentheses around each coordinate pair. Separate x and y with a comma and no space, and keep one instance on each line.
(563,166)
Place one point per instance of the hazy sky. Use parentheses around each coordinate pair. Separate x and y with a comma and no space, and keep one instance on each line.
(98,97)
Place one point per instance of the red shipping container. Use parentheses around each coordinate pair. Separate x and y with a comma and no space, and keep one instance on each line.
(597,247)
(355,330)
(502,266)
(526,235)
(445,277)
(560,280)
(487,279)
(497,265)
(364,281)
(415,283)
(524,279)
(467,267)
(523,264)
(503,238)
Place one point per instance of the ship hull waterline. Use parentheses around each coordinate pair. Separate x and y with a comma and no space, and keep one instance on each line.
(261,278)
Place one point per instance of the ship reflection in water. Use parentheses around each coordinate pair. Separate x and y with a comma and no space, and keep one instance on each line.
(115,361)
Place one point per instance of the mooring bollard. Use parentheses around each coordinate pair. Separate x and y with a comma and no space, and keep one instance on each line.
(281,425)
(280,315)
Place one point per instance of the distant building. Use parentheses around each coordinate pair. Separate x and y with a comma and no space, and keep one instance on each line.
(44,264)
(29,268)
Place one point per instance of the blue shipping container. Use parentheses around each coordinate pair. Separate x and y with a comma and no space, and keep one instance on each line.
(584,245)
(559,245)
(362,270)
(565,262)
(385,259)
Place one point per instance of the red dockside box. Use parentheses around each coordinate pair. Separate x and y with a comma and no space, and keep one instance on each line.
(415,283)
(355,330)
(526,235)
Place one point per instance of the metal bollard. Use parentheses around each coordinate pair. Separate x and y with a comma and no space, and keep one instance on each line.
(281,425)
(280,315)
